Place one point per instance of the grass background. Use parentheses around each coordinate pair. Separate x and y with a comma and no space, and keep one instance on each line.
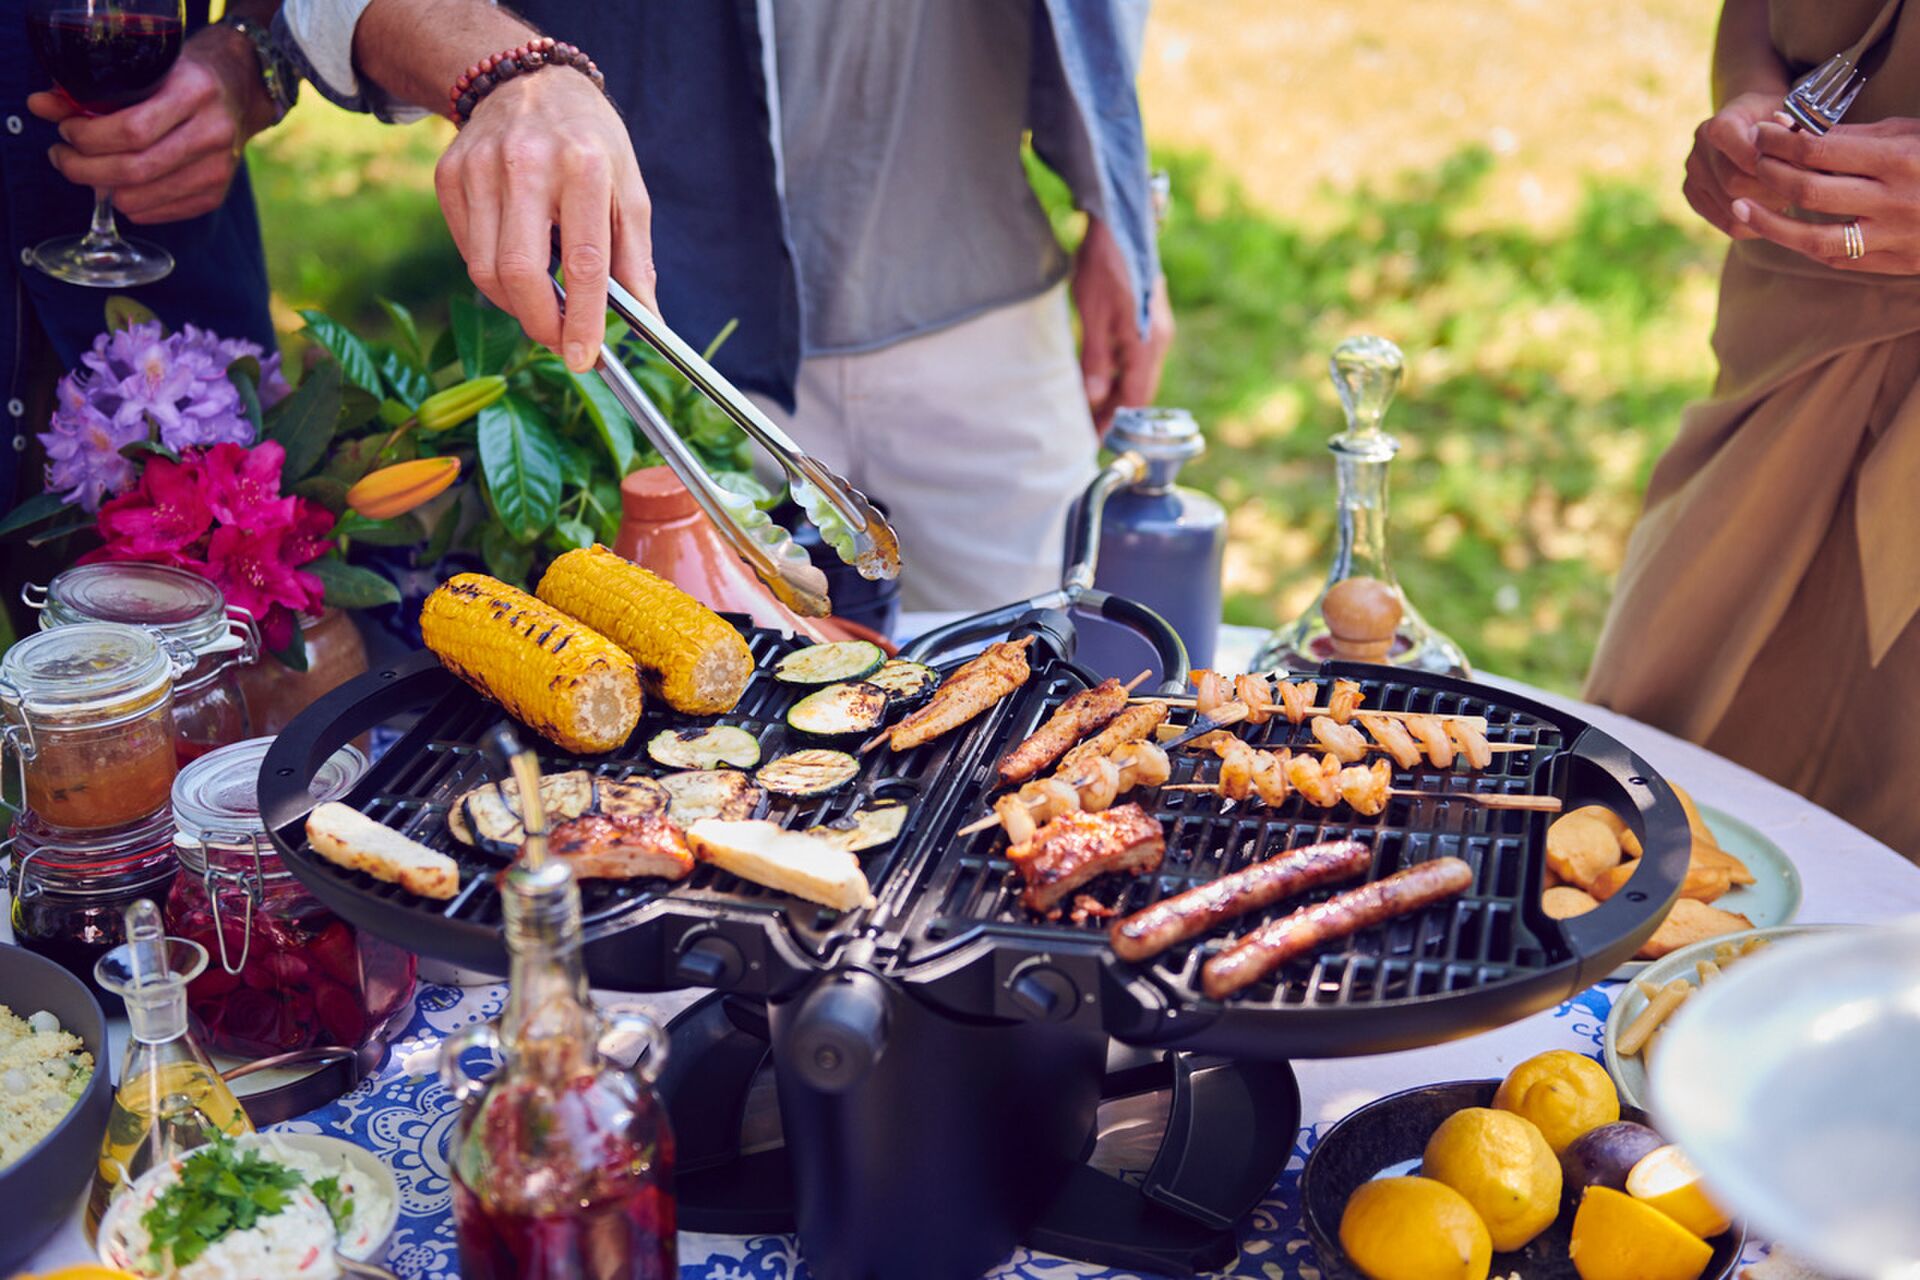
(1494,184)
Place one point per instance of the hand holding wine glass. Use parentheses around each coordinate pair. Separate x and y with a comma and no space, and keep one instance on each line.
(105,55)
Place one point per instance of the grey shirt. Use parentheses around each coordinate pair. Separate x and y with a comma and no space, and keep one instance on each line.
(900,125)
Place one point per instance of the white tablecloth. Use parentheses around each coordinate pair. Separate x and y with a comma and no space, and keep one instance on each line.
(1847,875)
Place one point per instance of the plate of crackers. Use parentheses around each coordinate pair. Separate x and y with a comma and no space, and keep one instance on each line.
(1737,879)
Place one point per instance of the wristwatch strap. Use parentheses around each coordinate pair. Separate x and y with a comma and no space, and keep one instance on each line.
(276,71)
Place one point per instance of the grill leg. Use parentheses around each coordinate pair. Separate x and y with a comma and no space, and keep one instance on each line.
(921,1145)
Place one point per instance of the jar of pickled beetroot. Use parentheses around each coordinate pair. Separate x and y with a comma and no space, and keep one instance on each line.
(71,889)
(89,723)
(284,973)
(188,612)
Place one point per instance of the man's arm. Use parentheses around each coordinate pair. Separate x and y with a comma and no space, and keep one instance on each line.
(1744,59)
(542,150)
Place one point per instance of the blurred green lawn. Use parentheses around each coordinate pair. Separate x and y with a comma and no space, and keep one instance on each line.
(1548,364)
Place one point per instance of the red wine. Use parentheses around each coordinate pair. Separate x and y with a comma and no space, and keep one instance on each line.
(105,61)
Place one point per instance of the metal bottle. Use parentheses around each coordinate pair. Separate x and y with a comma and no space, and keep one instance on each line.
(1153,541)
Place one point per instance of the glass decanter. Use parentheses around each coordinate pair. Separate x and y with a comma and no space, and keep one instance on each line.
(1362,615)
(562,1159)
(170,1098)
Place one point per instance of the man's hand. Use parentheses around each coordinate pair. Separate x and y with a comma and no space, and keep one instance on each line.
(1866,173)
(173,155)
(1725,163)
(548,150)
(1119,367)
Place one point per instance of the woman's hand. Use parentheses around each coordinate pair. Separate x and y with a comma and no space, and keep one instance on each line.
(1119,367)
(1865,173)
(174,155)
(1725,163)
(544,151)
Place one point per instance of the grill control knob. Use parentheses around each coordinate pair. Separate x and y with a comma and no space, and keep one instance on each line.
(839,1032)
(709,960)
(1042,991)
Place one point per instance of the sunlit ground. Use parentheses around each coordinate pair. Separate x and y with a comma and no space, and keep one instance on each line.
(1492,183)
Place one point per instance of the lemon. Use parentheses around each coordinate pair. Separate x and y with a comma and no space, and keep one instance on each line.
(82,1271)
(1564,1093)
(1615,1237)
(1414,1229)
(1503,1167)
(1666,1180)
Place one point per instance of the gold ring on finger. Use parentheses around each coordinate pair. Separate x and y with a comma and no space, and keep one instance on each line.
(1856,240)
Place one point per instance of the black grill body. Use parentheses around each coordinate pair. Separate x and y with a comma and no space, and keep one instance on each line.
(938,1057)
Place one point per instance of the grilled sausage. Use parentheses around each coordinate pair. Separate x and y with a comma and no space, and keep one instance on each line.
(1072,720)
(1272,945)
(1135,724)
(1147,933)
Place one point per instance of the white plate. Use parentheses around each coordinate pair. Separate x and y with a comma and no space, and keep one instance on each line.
(114,1253)
(1774,896)
(1630,1074)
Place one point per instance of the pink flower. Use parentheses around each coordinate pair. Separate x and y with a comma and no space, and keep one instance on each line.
(243,485)
(165,513)
(253,569)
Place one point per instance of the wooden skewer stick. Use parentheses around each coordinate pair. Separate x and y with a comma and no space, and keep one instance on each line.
(1180,700)
(1487,800)
(1498,748)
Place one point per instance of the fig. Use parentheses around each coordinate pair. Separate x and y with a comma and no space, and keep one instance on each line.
(1603,1157)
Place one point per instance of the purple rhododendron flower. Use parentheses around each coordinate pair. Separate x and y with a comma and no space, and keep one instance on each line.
(142,383)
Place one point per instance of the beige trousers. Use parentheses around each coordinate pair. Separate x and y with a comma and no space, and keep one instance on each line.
(975,438)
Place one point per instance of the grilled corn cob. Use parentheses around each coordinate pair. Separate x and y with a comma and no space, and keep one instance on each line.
(566,682)
(688,654)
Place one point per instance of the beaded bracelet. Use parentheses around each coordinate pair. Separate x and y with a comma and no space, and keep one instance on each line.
(484,76)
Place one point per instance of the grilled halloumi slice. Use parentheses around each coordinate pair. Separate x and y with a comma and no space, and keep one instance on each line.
(348,838)
(789,861)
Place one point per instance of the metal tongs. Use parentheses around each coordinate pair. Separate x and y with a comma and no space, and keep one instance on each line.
(848,523)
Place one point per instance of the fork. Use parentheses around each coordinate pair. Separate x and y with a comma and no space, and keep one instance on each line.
(1821,98)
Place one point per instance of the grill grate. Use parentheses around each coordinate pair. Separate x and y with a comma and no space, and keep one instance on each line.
(1492,934)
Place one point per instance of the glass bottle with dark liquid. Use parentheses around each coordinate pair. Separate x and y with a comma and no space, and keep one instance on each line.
(1362,615)
(561,1160)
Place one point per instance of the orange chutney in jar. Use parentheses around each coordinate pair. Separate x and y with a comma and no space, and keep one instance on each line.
(89,712)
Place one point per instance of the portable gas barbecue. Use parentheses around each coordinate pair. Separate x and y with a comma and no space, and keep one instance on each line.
(939,1058)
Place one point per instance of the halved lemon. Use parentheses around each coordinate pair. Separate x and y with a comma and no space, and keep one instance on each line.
(1616,1237)
(1667,1180)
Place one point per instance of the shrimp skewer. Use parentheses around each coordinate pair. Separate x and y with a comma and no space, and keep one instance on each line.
(1098,782)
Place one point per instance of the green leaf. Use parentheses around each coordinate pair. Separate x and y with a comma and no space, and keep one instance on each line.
(35,509)
(393,413)
(329,491)
(506,559)
(137,448)
(348,586)
(485,336)
(294,656)
(443,534)
(59,530)
(244,374)
(443,353)
(574,533)
(408,384)
(401,531)
(410,331)
(609,419)
(356,362)
(304,423)
(124,313)
(747,485)
(521,461)
(357,408)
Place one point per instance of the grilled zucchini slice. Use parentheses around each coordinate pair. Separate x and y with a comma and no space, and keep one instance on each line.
(705,748)
(808,773)
(711,793)
(489,816)
(864,828)
(830,663)
(908,684)
(840,710)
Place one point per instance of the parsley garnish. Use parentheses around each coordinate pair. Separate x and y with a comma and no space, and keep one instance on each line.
(339,1204)
(221,1189)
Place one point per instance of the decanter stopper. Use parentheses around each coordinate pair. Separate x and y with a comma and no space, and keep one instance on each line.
(1366,372)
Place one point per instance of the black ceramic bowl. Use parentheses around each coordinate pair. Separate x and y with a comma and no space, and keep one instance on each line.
(1390,1135)
(41,1188)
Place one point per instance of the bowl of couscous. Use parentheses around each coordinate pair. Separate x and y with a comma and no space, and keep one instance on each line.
(55,1090)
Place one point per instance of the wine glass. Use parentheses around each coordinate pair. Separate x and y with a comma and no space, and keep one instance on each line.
(104,55)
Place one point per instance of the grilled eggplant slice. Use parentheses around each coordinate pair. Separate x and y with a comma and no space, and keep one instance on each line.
(830,663)
(866,828)
(840,710)
(705,748)
(631,799)
(908,684)
(808,773)
(711,793)
(489,816)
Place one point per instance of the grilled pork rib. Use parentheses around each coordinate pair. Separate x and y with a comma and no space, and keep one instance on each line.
(599,847)
(1076,847)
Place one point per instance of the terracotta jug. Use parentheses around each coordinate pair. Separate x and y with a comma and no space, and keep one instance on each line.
(663,529)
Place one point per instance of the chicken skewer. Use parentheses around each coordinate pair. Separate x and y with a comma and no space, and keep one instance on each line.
(968,692)
(1293,699)
(1083,713)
